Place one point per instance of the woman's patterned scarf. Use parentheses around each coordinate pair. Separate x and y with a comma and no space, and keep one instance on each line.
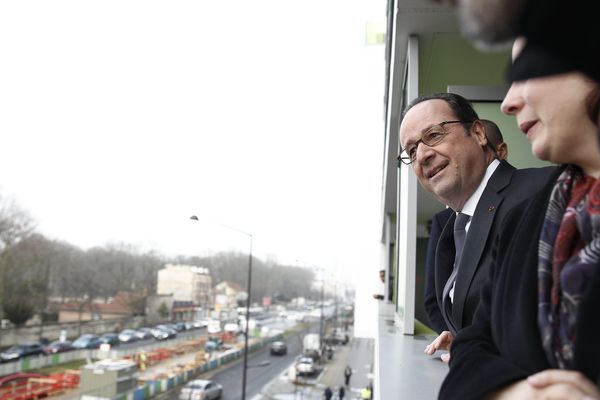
(569,253)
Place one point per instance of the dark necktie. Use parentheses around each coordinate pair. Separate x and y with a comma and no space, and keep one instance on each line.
(460,234)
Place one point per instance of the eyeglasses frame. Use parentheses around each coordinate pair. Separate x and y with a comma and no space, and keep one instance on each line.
(441,124)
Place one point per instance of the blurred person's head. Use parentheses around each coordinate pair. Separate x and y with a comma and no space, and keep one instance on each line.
(495,139)
(491,22)
(566,31)
(443,139)
(559,115)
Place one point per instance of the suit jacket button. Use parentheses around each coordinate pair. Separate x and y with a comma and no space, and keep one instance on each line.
(491,208)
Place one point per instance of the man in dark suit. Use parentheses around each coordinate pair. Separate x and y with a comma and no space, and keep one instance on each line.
(434,314)
(438,221)
(445,142)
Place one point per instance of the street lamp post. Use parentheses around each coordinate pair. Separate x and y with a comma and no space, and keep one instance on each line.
(322,317)
(248,289)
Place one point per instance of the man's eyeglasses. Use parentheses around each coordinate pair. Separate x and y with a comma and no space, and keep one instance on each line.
(432,137)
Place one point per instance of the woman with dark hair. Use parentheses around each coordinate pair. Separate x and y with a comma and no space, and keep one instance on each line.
(535,332)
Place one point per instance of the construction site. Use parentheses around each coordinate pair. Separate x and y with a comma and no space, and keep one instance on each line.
(145,372)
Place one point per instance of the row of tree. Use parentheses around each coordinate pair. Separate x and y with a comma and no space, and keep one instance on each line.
(34,268)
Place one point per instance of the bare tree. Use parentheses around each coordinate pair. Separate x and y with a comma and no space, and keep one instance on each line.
(33,268)
(15,223)
(29,270)
(267,278)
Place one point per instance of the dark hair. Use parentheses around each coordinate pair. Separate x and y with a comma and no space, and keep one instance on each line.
(593,105)
(492,133)
(460,106)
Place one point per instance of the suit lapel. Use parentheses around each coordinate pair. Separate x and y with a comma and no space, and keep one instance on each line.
(479,232)
(444,261)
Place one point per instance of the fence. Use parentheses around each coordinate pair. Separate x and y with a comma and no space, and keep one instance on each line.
(12,336)
(30,363)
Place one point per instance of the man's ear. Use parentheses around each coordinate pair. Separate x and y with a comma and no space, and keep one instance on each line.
(478,130)
(502,151)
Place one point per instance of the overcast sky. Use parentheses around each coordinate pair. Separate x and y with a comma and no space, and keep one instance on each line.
(120,119)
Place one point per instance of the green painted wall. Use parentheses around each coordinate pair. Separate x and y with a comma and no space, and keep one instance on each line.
(448,59)
(519,148)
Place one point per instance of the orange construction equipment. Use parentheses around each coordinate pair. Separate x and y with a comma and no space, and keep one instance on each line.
(227,337)
(33,388)
(68,379)
(21,387)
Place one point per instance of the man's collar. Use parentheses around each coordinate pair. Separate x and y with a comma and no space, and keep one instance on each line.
(471,203)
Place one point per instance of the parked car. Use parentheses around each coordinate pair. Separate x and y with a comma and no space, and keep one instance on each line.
(110,338)
(128,336)
(159,334)
(87,341)
(201,323)
(143,333)
(312,354)
(179,326)
(201,389)
(339,337)
(305,366)
(278,348)
(172,333)
(174,327)
(58,347)
(189,326)
(20,351)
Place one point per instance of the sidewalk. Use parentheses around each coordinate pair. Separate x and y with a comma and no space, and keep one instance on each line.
(358,353)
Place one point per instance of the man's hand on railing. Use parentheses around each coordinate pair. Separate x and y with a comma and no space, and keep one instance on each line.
(442,342)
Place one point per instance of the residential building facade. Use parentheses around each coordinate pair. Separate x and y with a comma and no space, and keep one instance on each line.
(187,283)
(227,295)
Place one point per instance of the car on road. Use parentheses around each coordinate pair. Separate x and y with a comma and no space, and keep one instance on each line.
(189,326)
(312,354)
(143,333)
(58,347)
(201,389)
(128,336)
(305,366)
(110,338)
(337,337)
(178,326)
(172,333)
(278,348)
(200,323)
(20,351)
(87,341)
(159,334)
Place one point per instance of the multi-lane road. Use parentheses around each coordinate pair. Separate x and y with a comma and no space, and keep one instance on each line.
(262,368)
